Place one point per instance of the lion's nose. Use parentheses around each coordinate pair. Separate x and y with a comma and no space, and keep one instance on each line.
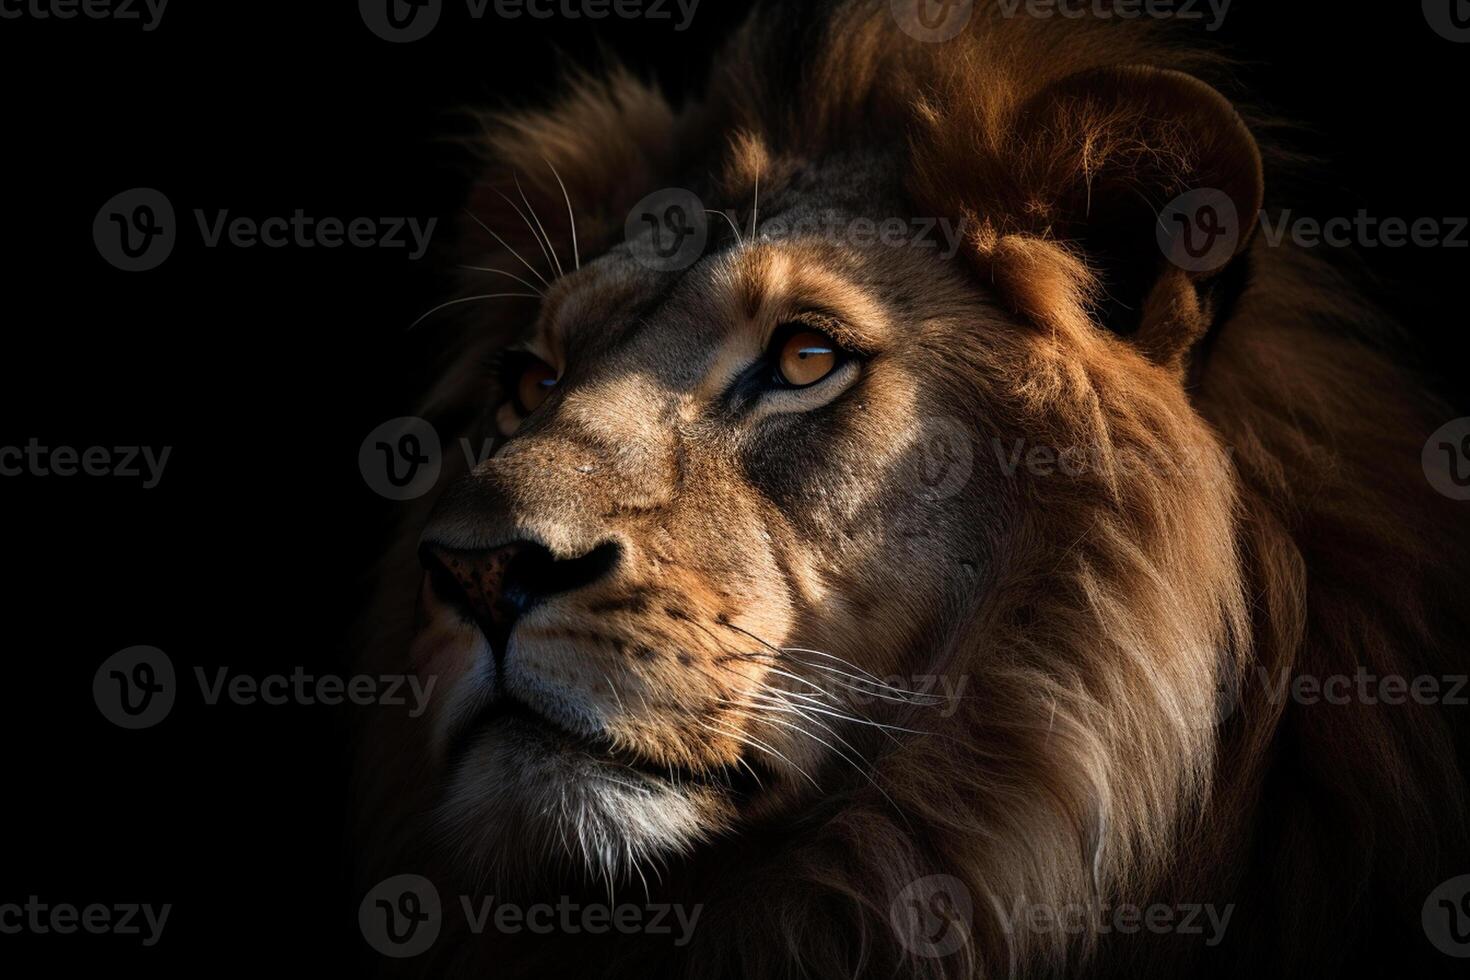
(497,586)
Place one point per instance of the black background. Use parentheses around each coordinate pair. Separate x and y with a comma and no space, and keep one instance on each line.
(265,368)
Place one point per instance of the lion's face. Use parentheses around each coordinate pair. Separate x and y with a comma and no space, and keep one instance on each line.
(724,506)
(723,502)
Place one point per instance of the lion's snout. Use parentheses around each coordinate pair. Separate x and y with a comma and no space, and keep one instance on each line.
(494,587)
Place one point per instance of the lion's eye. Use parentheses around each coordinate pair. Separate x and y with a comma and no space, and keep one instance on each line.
(805,357)
(534,385)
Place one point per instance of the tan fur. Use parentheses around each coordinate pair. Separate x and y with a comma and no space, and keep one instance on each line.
(1274,518)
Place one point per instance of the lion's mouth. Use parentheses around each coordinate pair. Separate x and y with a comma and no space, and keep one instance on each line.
(509,718)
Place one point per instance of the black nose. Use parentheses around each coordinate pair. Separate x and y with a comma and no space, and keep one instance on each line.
(496,587)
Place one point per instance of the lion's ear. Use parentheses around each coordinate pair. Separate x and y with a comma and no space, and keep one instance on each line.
(1150,176)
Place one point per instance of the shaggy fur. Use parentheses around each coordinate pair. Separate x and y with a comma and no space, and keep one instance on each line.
(1251,510)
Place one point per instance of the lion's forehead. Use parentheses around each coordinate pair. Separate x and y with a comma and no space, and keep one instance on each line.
(623,307)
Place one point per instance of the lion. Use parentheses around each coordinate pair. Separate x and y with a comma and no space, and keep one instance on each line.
(889,609)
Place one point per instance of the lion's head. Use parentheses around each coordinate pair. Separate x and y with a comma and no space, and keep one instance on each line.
(847,515)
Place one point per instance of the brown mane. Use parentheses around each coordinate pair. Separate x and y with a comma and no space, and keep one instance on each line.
(1280,525)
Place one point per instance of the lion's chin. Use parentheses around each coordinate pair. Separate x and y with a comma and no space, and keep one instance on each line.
(534,804)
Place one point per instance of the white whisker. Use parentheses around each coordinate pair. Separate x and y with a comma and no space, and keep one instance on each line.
(545,252)
(756,211)
(471,299)
(507,247)
(756,743)
(556,258)
(898,694)
(868,721)
(819,653)
(571,217)
(499,272)
(863,770)
(731,221)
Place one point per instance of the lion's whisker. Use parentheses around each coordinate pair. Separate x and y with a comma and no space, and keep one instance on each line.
(869,722)
(740,761)
(506,245)
(755,211)
(731,221)
(571,216)
(899,694)
(863,770)
(756,743)
(531,208)
(545,253)
(861,721)
(832,656)
(501,272)
(471,299)
(792,709)
(802,680)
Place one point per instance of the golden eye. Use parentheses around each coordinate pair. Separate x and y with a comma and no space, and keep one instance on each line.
(806,357)
(533,386)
